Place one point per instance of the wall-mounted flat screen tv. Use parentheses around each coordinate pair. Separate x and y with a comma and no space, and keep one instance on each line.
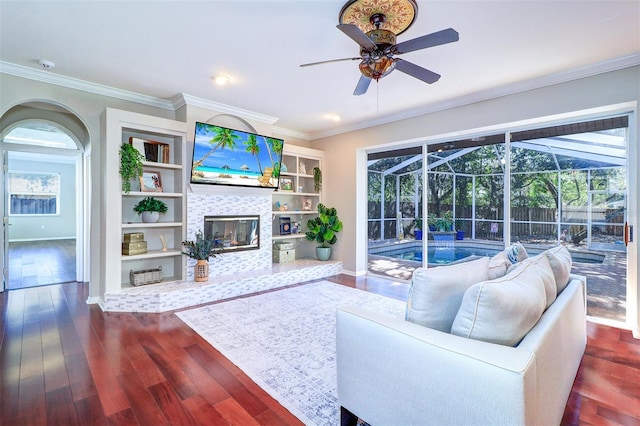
(224,156)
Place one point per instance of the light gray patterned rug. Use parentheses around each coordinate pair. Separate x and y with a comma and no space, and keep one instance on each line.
(285,341)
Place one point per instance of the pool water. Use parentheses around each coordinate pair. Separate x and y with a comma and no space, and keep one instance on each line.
(444,255)
(439,254)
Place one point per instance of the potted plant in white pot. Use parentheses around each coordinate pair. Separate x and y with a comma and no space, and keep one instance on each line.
(150,208)
(323,229)
(201,250)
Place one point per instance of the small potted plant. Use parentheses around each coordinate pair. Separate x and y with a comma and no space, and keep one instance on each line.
(130,165)
(201,250)
(323,229)
(445,223)
(417,232)
(459,229)
(150,208)
(317,179)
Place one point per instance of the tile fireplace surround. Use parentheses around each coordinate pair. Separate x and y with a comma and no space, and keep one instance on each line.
(232,274)
(175,295)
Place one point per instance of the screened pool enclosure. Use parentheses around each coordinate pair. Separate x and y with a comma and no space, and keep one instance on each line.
(564,184)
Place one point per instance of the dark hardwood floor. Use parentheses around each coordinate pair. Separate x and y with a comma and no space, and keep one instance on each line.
(45,262)
(68,363)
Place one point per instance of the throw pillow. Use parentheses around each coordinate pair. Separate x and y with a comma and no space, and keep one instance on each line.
(498,265)
(504,310)
(547,275)
(516,253)
(436,293)
(561,262)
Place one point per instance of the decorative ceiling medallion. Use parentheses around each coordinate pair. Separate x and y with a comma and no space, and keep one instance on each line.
(399,14)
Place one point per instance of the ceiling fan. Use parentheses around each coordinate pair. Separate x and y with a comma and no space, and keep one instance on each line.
(378,49)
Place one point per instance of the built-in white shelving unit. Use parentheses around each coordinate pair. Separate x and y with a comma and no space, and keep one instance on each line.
(118,216)
(299,163)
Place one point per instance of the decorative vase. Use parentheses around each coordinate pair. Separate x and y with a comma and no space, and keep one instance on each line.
(150,217)
(201,270)
(323,253)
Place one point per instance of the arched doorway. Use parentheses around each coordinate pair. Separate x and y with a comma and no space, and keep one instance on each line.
(42,149)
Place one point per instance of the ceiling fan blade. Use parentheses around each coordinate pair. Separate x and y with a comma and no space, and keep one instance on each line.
(331,60)
(416,71)
(362,86)
(357,35)
(434,39)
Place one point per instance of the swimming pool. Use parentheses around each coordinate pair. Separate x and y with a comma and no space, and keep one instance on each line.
(444,255)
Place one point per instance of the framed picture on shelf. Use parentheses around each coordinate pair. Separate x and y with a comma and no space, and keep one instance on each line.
(150,182)
(286,184)
(285,225)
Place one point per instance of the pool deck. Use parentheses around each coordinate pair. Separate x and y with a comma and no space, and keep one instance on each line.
(606,281)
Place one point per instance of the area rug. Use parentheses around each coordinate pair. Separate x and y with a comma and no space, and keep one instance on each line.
(285,341)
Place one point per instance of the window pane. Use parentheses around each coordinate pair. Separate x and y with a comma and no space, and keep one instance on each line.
(33,193)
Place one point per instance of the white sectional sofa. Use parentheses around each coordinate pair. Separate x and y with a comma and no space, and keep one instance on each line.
(394,371)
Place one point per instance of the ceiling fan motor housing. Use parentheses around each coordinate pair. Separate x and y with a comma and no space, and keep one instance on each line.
(382,38)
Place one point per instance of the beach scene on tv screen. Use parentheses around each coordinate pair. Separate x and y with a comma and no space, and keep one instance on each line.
(233,157)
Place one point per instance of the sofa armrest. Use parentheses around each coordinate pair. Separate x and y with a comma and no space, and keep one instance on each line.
(391,371)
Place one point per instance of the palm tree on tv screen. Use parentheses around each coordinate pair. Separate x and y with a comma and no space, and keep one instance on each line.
(276,146)
(252,147)
(224,138)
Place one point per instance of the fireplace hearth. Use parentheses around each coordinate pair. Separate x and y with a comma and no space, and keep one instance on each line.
(234,233)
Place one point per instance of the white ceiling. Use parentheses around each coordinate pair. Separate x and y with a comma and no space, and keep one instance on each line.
(164,48)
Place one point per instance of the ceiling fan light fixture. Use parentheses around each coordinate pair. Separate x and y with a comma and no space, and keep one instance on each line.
(377,68)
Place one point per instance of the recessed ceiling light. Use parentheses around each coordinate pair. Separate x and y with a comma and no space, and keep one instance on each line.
(333,117)
(221,79)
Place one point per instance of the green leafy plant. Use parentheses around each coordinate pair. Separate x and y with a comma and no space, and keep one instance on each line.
(444,223)
(202,248)
(150,204)
(130,165)
(317,179)
(323,228)
(418,221)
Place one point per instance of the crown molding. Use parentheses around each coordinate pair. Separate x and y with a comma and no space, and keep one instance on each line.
(50,77)
(183,99)
(293,133)
(510,89)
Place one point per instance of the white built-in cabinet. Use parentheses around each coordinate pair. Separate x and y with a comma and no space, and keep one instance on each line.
(299,163)
(118,217)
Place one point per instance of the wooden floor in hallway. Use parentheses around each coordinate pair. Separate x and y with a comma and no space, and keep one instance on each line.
(36,263)
(65,362)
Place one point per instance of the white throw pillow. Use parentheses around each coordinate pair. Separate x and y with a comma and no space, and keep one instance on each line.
(547,275)
(561,262)
(498,265)
(436,293)
(505,309)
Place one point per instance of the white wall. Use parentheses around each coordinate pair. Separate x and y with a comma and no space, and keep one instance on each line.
(63,225)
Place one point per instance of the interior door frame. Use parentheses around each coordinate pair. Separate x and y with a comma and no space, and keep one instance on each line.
(5,148)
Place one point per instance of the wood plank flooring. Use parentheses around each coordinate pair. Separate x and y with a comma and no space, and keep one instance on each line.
(65,362)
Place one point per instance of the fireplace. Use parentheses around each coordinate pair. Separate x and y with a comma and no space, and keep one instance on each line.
(234,233)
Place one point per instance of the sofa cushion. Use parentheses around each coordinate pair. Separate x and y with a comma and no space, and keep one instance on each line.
(505,309)
(436,293)
(561,262)
(498,265)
